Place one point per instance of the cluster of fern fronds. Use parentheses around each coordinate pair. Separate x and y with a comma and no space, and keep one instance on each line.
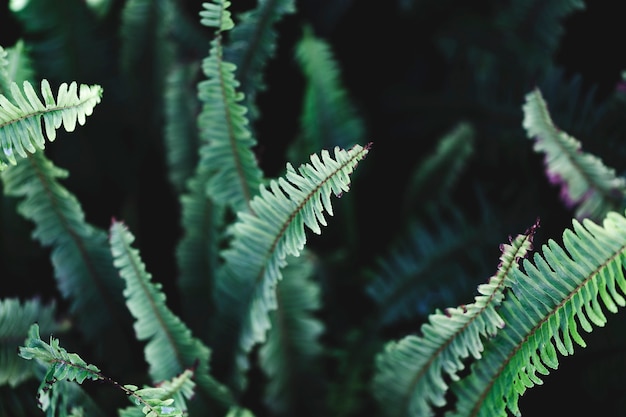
(173,266)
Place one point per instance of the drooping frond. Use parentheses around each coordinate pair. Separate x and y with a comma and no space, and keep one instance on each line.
(82,262)
(429,268)
(291,355)
(561,290)
(263,238)
(15,320)
(586,183)
(328,118)
(170,348)
(410,375)
(252,43)
(223,124)
(55,394)
(21,119)
(437,173)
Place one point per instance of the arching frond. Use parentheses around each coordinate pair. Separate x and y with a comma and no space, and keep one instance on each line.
(170,347)
(410,380)
(82,262)
(223,124)
(291,355)
(21,120)
(15,320)
(586,183)
(328,118)
(561,290)
(263,238)
(252,43)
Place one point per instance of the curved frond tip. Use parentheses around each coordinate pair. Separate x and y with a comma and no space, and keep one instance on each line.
(21,120)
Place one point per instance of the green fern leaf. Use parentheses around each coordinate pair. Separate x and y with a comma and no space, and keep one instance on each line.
(181,129)
(171,348)
(434,177)
(418,276)
(563,289)
(20,122)
(197,254)
(4,73)
(410,373)
(328,117)
(586,183)
(252,43)
(223,124)
(82,262)
(16,67)
(264,237)
(291,355)
(15,320)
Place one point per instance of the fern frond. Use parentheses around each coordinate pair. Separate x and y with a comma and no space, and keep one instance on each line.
(197,254)
(409,377)
(181,129)
(4,72)
(15,320)
(418,276)
(263,238)
(82,262)
(436,174)
(21,121)
(171,348)
(63,366)
(535,28)
(223,123)
(64,38)
(252,43)
(563,289)
(292,350)
(17,67)
(328,118)
(586,183)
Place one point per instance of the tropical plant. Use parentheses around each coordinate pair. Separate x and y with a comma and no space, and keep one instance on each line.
(189,277)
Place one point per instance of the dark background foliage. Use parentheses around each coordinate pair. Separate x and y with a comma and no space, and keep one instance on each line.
(401,82)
